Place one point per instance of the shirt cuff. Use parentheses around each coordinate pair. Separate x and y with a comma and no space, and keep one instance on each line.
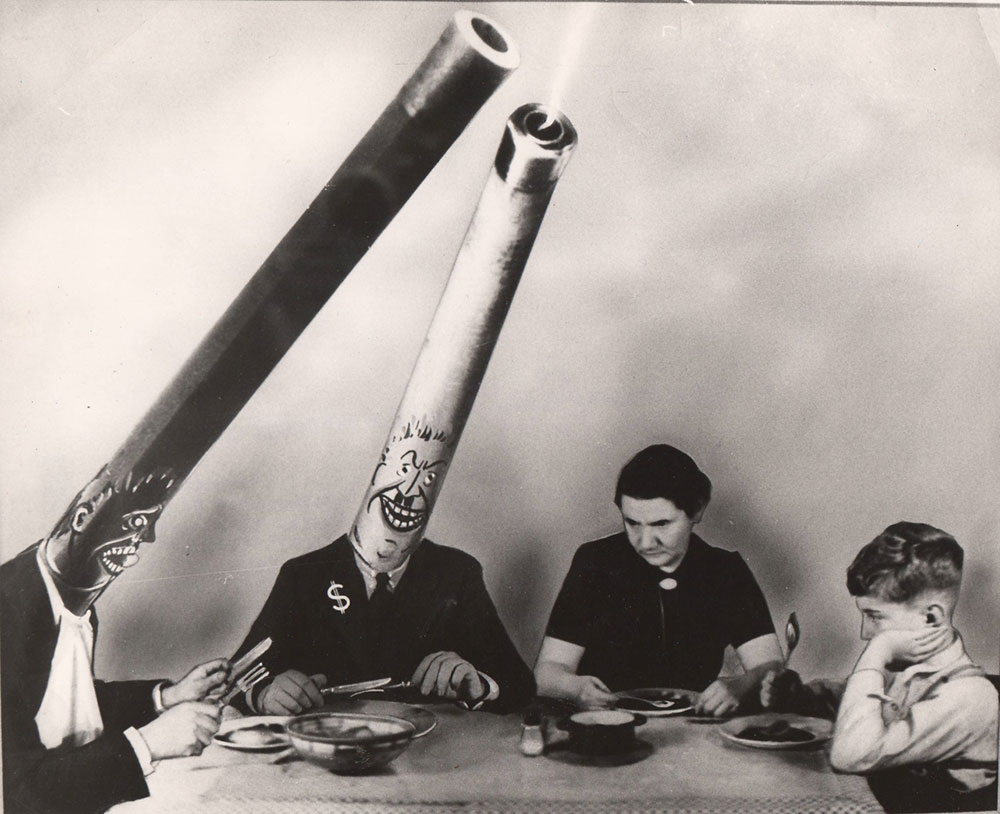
(141,750)
(492,693)
(158,697)
(250,696)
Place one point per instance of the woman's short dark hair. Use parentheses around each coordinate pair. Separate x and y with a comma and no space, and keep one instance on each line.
(664,471)
(904,561)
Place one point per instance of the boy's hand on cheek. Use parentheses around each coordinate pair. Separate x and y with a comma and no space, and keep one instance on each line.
(909,646)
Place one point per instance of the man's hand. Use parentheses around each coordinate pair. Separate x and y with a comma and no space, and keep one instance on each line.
(206,682)
(290,693)
(592,693)
(448,675)
(722,697)
(781,690)
(908,646)
(184,730)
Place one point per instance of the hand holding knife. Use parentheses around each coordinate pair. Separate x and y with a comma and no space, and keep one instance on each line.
(247,671)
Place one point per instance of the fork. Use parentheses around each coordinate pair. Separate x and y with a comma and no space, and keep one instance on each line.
(250,679)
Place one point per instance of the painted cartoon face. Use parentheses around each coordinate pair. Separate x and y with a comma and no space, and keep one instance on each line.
(400,497)
(99,536)
(404,483)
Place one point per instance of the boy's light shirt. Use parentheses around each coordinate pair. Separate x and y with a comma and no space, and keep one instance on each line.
(69,712)
(881,726)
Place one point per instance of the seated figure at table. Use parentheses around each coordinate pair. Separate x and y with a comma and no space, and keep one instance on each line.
(71,743)
(655,605)
(383,601)
(916,714)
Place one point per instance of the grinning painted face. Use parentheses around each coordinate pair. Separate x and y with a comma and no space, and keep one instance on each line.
(100,534)
(400,497)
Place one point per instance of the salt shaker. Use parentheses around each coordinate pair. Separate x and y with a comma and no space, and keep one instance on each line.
(533,734)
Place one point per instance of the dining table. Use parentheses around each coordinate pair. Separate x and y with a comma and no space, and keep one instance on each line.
(470,762)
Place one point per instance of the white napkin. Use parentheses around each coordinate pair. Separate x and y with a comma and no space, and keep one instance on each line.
(69,712)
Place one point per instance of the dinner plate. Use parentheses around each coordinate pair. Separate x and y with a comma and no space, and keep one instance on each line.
(682,701)
(279,740)
(819,728)
(424,720)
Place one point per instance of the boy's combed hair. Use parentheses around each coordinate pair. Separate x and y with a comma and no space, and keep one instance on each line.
(905,560)
(664,471)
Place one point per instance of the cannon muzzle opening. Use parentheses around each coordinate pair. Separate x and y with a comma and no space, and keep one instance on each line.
(536,145)
(488,32)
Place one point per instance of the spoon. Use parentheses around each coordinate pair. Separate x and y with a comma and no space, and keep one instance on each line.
(652,704)
(791,635)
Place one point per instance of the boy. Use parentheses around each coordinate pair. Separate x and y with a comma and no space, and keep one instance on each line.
(916,714)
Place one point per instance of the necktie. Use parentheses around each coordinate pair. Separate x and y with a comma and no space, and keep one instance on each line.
(379,604)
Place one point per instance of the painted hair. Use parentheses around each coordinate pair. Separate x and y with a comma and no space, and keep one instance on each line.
(905,560)
(664,471)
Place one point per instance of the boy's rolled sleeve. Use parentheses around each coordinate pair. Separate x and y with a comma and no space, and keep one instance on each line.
(936,728)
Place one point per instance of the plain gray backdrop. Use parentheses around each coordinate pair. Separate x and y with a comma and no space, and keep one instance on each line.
(776,247)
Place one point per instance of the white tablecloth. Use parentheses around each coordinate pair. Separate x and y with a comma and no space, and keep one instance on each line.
(470,763)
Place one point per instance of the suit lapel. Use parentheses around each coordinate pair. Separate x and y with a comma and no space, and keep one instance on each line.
(353,622)
(31,625)
(420,598)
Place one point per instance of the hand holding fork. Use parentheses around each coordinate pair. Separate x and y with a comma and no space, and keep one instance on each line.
(247,672)
(250,679)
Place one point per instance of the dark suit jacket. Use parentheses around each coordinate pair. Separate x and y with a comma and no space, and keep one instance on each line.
(81,779)
(440,603)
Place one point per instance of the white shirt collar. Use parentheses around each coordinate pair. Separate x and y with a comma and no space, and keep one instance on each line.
(59,610)
(369,573)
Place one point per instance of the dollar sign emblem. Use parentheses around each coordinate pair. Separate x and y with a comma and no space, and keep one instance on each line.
(340,602)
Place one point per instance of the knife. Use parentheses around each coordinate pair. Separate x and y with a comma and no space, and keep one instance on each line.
(360,686)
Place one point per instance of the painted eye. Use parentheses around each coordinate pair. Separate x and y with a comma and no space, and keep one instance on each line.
(404,469)
(80,517)
(429,478)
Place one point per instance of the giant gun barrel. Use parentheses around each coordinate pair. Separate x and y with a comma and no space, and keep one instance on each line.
(467,64)
(535,147)
(470,60)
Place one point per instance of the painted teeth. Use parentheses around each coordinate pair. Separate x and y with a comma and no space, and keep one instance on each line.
(113,567)
(401,518)
(117,551)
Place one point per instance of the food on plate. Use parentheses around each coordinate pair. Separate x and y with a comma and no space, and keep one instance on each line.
(778,732)
(257,735)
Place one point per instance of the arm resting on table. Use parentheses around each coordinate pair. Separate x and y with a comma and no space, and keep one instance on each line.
(490,650)
(936,728)
(556,676)
(72,780)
